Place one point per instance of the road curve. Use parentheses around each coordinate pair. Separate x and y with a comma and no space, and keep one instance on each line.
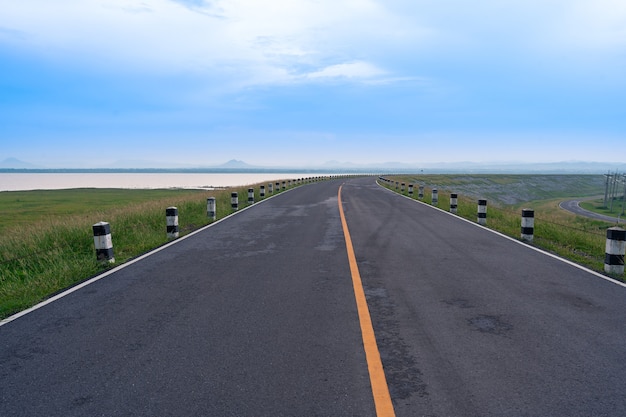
(256,316)
(573,206)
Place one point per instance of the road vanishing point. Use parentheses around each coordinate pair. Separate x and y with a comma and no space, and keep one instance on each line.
(265,313)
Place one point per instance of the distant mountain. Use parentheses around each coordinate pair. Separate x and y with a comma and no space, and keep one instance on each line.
(235,164)
(14,163)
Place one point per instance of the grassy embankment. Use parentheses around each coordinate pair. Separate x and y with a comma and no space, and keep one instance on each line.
(46,237)
(579,239)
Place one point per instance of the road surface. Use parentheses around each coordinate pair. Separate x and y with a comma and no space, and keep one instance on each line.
(573,206)
(256,316)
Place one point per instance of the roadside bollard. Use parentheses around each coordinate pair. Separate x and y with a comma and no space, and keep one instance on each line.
(250,195)
(234,201)
(615,249)
(262,192)
(435,198)
(420,192)
(277,187)
(411,189)
(453,202)
(402,189)
(397,184)
(528,224)
(171,220)
(103,242)
(284,185)
(270,188)
(482,212)
(210,208)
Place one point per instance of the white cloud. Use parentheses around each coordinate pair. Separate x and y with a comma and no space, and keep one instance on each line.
(596,25)
(271,42)
(248,42)
(353,70)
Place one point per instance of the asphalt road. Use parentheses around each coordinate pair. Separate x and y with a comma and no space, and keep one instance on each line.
(573,206)
(256,316)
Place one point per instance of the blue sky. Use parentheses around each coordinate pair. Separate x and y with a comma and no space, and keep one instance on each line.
(297,82)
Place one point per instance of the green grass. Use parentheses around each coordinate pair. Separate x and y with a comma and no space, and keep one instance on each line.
(579,239)
(19,208)
(46,237)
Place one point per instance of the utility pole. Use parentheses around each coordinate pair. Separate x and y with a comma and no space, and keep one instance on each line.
(616,180)
(623,195)
(606,188)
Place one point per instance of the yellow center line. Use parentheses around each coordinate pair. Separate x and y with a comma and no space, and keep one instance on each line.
(380,390)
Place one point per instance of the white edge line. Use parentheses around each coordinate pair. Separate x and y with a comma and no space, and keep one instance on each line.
(597,274)
(129,263)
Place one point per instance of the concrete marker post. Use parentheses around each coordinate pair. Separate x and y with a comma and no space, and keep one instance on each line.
(262,192)
(103,242)
(270,188)
(234,201)
(615,250)
(411,189)
(402,188)
(250,195)
(171,221)
(420,192)
(482,212)
(435,198)
(528,225)
(454,198)
(210,208)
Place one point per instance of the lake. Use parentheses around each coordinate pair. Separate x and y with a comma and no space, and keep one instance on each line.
(57,181)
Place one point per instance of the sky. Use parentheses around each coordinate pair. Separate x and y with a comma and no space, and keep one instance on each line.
(85,83)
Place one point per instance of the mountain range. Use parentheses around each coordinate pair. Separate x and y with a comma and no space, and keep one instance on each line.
(577,167)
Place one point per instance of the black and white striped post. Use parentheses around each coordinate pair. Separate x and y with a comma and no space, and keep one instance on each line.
(402,187)
(171,220)
(435,198)
(210,208)
(270,188)
(277,187)
(528,224)
(397,184)
(262,192)
(454,198)
(482,212)
(410,189)
(284,184)
(420,192)
(250,195)
(103,242)
(234,201)
(615,250)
